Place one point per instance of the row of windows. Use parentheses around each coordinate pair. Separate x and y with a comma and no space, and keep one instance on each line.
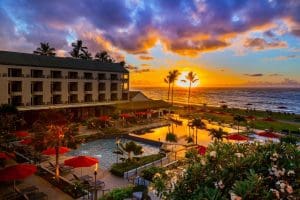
(15,72)
(37,86)
(57,99)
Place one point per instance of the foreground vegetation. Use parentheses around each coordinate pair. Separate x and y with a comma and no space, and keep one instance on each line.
(235,171)
(118,169)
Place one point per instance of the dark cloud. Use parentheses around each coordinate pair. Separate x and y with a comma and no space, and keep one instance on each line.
(275,74)
(254,75)
(145,57)
(186,27)
(261,44)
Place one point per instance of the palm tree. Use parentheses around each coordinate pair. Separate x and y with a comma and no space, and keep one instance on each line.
(103,56)
(173,77)
(45,50)
(239,119)
(129,148)
(192,78)
(198,124)
(167,80)
(217,134)
(86,55)
(78,48)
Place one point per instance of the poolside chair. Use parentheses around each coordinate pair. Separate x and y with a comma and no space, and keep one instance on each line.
(82,178)
(99,184)
(62,169)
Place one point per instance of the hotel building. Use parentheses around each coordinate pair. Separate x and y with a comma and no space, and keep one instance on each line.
(34,82)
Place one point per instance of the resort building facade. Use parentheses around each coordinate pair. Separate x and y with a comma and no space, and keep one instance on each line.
(34,82)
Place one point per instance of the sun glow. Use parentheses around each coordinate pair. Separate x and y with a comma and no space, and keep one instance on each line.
(183,82)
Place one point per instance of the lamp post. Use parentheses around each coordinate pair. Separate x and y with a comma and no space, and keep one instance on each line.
(95,174)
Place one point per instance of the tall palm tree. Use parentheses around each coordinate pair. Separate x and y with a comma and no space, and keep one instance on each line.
(45,50)
(78,48)
(239,119)
(198,124)
(173,77)
(103,56)
(191,77)
(168,81)
(217,134)
(86,55)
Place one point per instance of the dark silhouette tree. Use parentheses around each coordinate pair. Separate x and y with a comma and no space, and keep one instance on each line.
(78,49)
(103,56)
(198,124)
(238,119)
(45,50)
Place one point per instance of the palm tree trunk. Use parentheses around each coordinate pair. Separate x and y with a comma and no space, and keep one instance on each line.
(238,127)
(196,136)
(172,96)
(189,95)
(56,162)
(169,91)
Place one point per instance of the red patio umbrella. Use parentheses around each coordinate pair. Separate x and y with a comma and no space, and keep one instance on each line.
(4,156)
(21,133)
(52,151)
(237,137)
(81,161)
(17,172)
(125,115)
(268,134)
(104,118)
(26,141)
(201,149)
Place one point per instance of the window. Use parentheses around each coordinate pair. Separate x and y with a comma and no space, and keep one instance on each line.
(56,99)
(102,76)
(56,87)
(56,74)
(101,87)
(73,86)
(113,76)
(125,96)
(37,73)
(13,72)
(101,97)
(88,87)
(113,87)
(73,98)
(73,75)
(37,100)
(88,75)
(125,76)
(88,98)
(16,100)
(16,86)
(37,86)
(125,86)
(113,97)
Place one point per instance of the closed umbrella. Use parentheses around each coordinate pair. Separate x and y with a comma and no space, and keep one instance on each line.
(52,151)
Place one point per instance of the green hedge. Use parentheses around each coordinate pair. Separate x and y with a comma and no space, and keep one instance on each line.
(118,169)
(150,172)
(118,194)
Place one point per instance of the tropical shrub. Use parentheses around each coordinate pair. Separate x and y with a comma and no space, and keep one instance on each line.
(118,194)
(149,173)
(236,171)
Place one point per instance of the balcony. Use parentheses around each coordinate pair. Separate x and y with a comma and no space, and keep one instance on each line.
(56,99)
(37,100)
(56,74)
(73,87)
(114,97)
(102,77)
(88,76)
(101,87)
(15,87)
(37,87)
(12,72)
(114,77)
(73,75)
(37,74)
(113,87)
(88,87)
(73,98)
(88,98)
(101,97)
(16,100)
(56,87)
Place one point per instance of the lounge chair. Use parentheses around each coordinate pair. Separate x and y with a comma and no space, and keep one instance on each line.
(82,178)
(99,184)
(62,169)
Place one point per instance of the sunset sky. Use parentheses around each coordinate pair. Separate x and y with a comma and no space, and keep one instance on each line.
(227,43)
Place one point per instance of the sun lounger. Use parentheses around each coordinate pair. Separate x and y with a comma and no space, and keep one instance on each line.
(82,178)
(62,169)
(99,184)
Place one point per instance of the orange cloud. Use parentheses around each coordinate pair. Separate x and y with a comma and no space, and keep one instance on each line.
(145,57)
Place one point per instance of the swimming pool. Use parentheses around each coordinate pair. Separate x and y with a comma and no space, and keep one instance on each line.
(103,150)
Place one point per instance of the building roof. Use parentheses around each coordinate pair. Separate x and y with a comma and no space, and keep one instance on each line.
(26,59)
(133,94)
(143,105)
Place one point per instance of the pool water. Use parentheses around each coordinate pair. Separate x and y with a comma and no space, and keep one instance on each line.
(103,150)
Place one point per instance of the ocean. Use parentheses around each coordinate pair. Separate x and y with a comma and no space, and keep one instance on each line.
(275,99)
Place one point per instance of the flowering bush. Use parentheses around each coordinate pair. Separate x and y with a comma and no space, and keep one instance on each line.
(236,172)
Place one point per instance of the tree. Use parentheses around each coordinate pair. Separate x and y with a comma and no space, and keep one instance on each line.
(168,81)
(173,77)
(198,124)
(191,77)
(130,148)
(103,56)
(78,49)
(239,119)
(86,55)
(217,134)
(45,50)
